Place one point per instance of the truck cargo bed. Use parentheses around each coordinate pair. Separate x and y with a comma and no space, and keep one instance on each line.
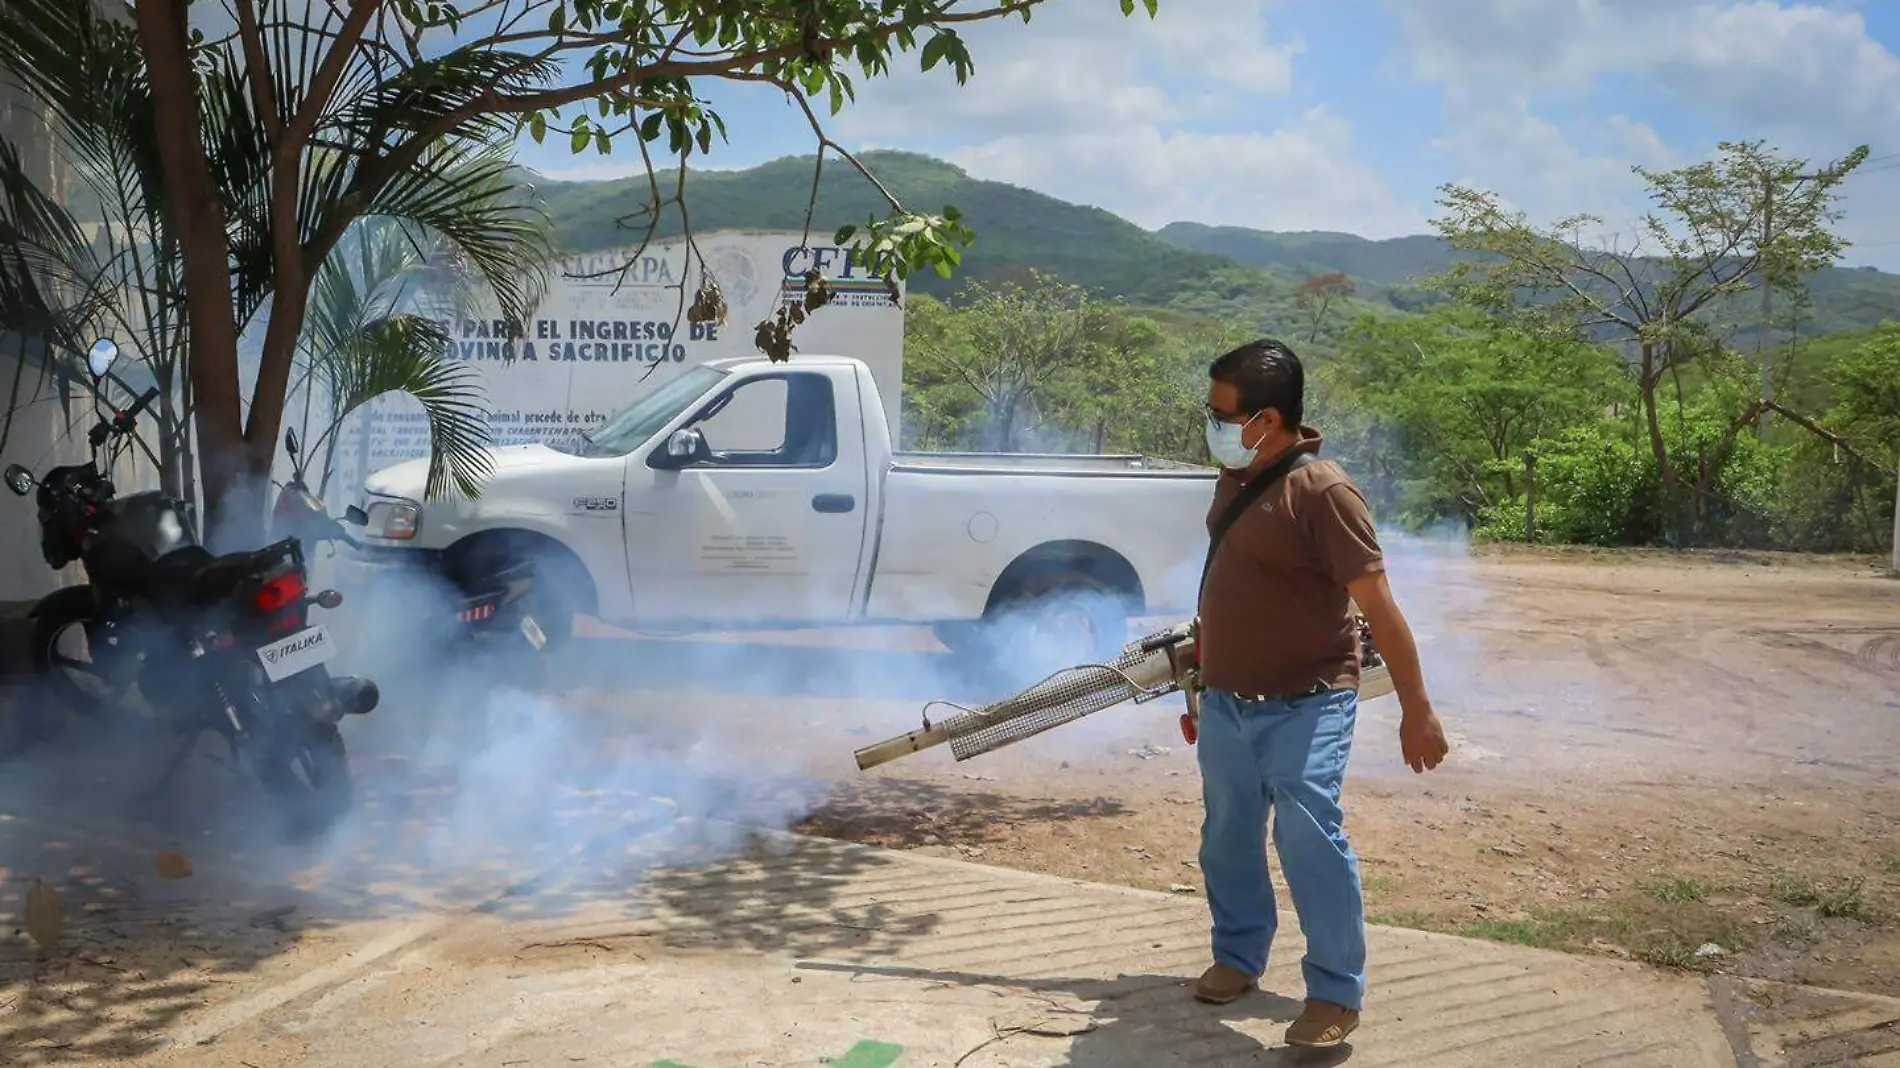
(1025,463)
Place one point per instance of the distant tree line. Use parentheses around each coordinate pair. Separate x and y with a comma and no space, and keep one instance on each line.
(1550,391)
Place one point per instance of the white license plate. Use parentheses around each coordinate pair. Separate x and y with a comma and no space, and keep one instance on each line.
(533,630)
(296,654)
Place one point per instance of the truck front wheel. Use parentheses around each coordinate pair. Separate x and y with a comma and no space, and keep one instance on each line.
(562,587)
(558,594)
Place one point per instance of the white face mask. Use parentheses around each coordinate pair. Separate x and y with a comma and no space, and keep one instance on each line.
(1223,442)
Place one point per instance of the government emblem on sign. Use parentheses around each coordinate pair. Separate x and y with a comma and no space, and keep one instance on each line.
(737,277)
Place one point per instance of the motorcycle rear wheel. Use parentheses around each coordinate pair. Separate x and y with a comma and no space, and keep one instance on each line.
(308,780)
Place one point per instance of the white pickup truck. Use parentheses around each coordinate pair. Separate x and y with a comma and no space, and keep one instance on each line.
(745,493)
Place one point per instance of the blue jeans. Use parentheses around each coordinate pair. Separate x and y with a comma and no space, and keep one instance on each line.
(1287,756)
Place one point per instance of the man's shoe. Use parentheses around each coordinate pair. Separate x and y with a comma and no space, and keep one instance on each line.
(1221,984)
(1322,1024)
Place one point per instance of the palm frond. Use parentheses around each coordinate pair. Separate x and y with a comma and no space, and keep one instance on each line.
(463,192)
(46,47)
(408,354)
(49,283)
(363,280)
(417,95)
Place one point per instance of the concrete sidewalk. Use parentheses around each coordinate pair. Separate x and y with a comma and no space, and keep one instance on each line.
(826,953)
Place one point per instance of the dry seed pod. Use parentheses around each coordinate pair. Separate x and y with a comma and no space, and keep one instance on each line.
(45,917)
(817,290)
(172,865)
(709,304)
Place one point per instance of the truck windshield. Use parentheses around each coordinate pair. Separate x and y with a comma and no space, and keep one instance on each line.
(638,422)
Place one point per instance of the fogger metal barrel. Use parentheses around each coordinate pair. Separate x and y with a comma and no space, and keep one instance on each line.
(1156,666)
(1145,670)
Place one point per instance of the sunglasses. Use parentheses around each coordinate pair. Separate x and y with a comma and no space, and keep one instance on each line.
(1215,415)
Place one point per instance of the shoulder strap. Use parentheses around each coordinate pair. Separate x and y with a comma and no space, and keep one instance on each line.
(1245,499)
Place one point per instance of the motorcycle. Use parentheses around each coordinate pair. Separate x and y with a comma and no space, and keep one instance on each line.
(223,644)
(491,624)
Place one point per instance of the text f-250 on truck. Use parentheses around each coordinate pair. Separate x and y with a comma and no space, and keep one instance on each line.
(746,493)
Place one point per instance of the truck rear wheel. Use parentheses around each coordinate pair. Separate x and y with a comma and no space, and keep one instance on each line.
(1055,620)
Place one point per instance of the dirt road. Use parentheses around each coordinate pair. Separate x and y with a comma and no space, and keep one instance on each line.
(1690,761)
(1654,755)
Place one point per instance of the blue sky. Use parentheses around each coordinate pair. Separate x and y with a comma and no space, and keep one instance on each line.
(1348,114)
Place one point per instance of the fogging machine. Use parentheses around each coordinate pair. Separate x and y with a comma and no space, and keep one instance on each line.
(1163,663)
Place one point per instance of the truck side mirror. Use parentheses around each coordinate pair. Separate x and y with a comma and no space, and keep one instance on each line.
(683,448)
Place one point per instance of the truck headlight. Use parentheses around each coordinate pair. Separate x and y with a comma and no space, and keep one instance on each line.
(394,520)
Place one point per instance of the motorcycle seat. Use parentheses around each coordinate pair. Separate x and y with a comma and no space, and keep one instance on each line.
(191,575)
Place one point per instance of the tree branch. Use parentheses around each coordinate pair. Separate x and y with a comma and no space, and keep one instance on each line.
(263,85)
(825,142)
(1812,427)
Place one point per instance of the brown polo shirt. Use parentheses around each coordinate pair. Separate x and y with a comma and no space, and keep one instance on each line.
(1275,615)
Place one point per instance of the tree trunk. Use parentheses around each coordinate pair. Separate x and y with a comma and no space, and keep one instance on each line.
(191,202)
(1672,496)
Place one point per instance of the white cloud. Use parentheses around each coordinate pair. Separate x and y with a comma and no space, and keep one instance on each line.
(1079,64)
(1757,63)
(1154,120)
(1807,78)
(1298,177)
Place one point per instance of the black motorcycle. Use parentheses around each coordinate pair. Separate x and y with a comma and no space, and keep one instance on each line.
(214,643)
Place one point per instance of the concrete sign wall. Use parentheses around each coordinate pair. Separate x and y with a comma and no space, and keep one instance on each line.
(597,344)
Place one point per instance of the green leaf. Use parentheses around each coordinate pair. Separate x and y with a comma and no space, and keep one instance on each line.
(651,125)
(843,236)
(934,48)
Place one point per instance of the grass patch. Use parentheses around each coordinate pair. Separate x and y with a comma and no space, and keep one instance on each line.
(1889,863)
(1662,923)
(1677,891)
(1410,918)
(1544,930)
(1845,898)
(1376,885)
(1658,930)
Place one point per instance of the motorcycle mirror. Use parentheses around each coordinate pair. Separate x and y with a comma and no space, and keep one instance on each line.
(19,479)
(290,440)
(100,358)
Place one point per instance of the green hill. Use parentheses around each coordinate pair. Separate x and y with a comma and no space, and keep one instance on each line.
(1016,229)
(1844,298)
(1399,261)
(1189,268)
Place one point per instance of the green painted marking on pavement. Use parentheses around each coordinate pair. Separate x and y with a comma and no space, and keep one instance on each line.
(869,1055)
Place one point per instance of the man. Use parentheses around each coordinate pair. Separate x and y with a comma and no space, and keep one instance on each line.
(1280,660)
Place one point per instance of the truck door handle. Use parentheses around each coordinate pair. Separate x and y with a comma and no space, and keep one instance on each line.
(833,502)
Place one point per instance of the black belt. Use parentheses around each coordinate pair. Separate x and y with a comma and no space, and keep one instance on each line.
(1262,698)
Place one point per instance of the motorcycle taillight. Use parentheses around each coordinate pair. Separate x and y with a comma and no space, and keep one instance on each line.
(280,593)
